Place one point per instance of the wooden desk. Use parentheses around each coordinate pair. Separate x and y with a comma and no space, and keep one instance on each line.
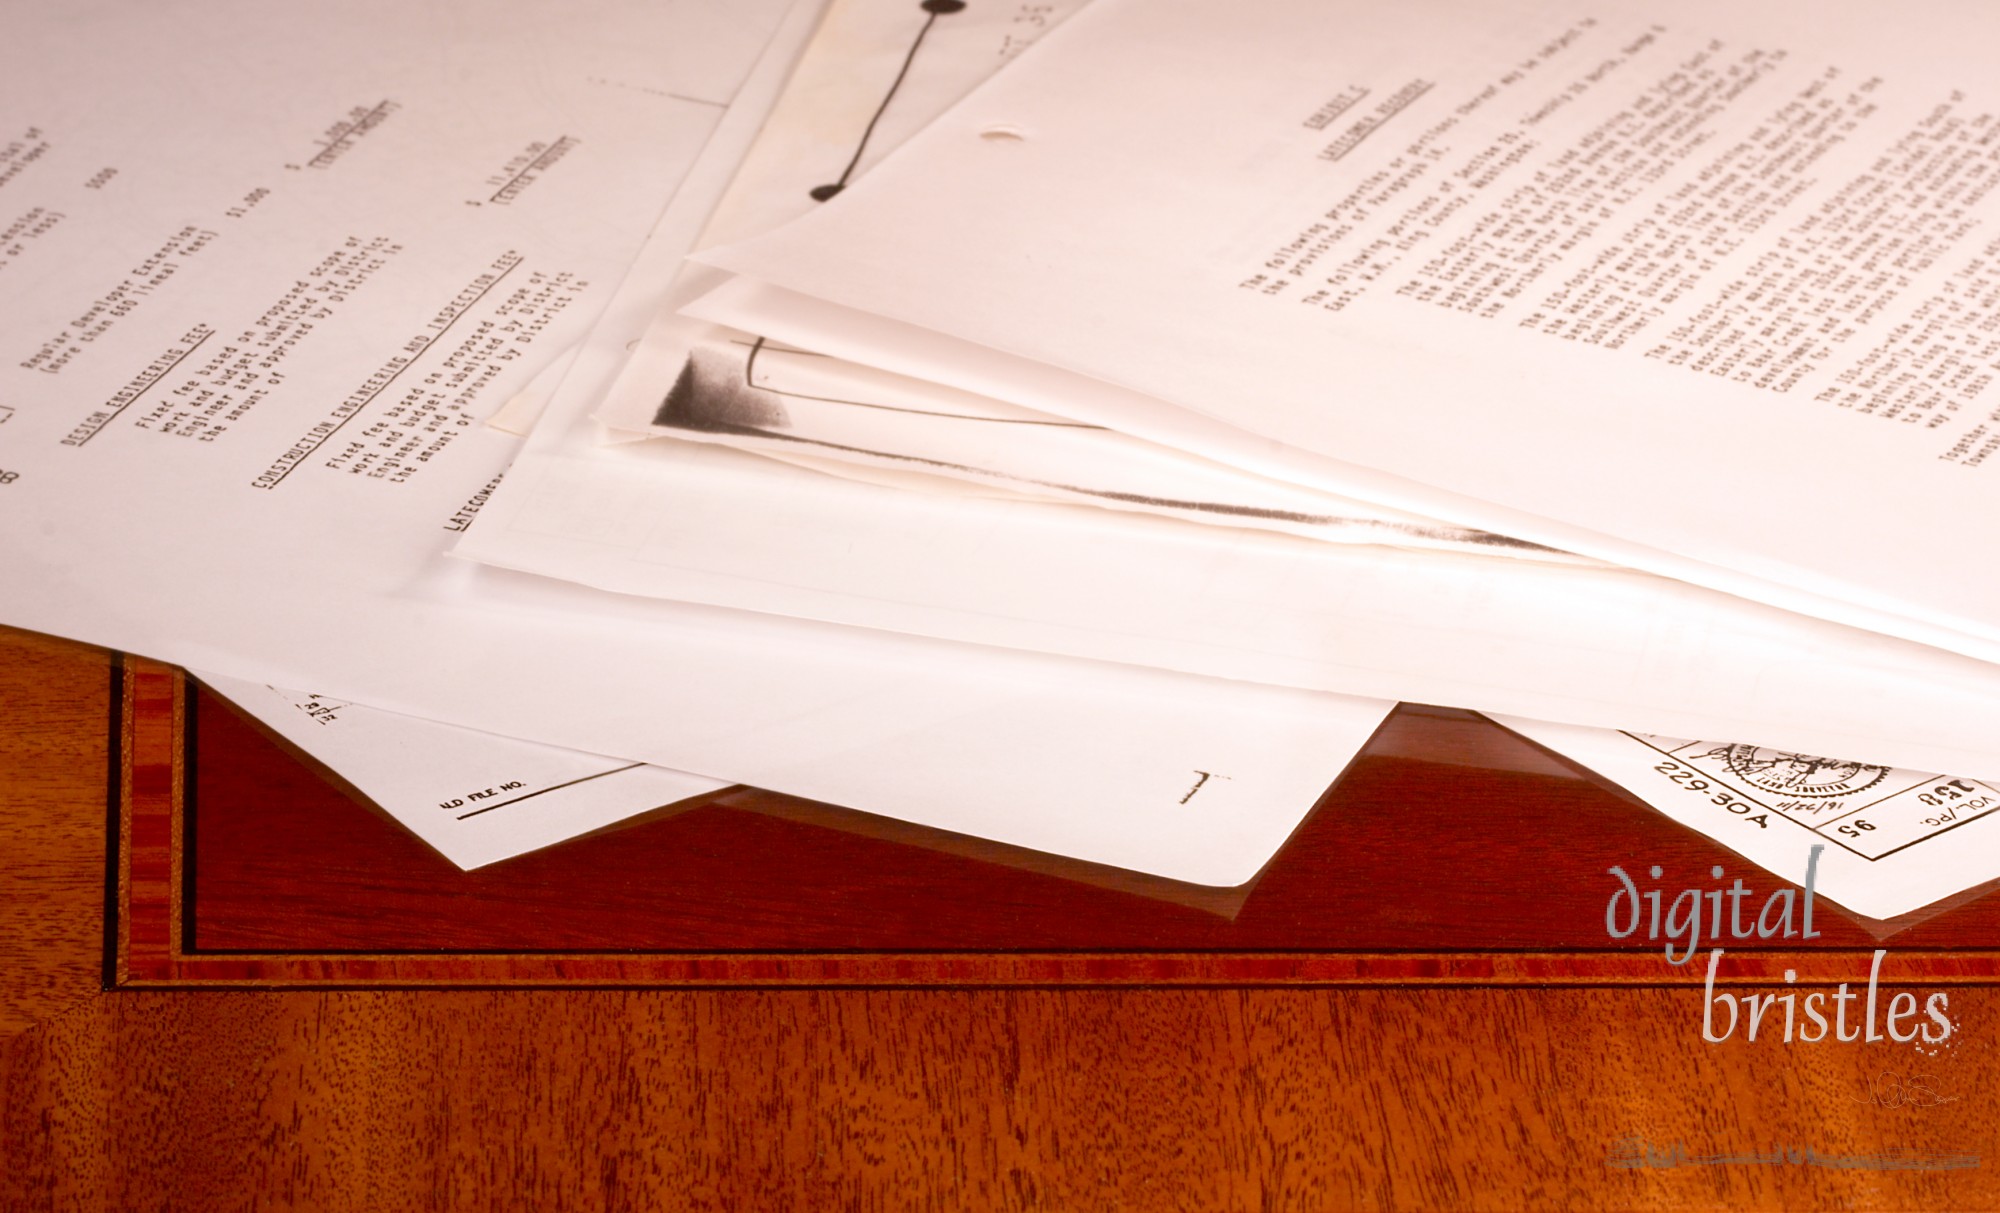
(1413,1008)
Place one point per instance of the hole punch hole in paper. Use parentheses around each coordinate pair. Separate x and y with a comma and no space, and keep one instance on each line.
(1003,134)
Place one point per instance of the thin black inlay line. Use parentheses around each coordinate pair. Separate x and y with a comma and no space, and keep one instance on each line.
(189,749)
(545,791)
(936,9)
(750,381)
(114,799)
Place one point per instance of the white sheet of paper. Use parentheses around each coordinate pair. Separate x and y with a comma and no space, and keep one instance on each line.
(873,74)
(908,350)
(519,414)
(272,537)
(475,798)
(1587,645)
(776,400)
(1894,840)
(1701,288)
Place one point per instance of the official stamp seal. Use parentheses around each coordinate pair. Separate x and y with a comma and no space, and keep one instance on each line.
(1783,773)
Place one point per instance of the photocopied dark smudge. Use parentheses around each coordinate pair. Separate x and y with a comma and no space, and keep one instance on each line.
(710,395)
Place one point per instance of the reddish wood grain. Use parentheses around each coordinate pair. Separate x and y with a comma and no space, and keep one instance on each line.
(1070,1100)
(54,773)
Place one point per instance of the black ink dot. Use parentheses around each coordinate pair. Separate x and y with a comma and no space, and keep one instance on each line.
(820,193)
(944,6)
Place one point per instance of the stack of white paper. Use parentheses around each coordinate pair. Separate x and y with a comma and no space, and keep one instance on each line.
(1694,302)
(242,427)
(1080,445)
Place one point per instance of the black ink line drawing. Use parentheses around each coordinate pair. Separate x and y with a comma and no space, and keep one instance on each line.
(1205,777)
(935,9)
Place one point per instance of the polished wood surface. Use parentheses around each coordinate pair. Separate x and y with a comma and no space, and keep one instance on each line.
(1066,1098)
(1070,1100)
(55,767)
